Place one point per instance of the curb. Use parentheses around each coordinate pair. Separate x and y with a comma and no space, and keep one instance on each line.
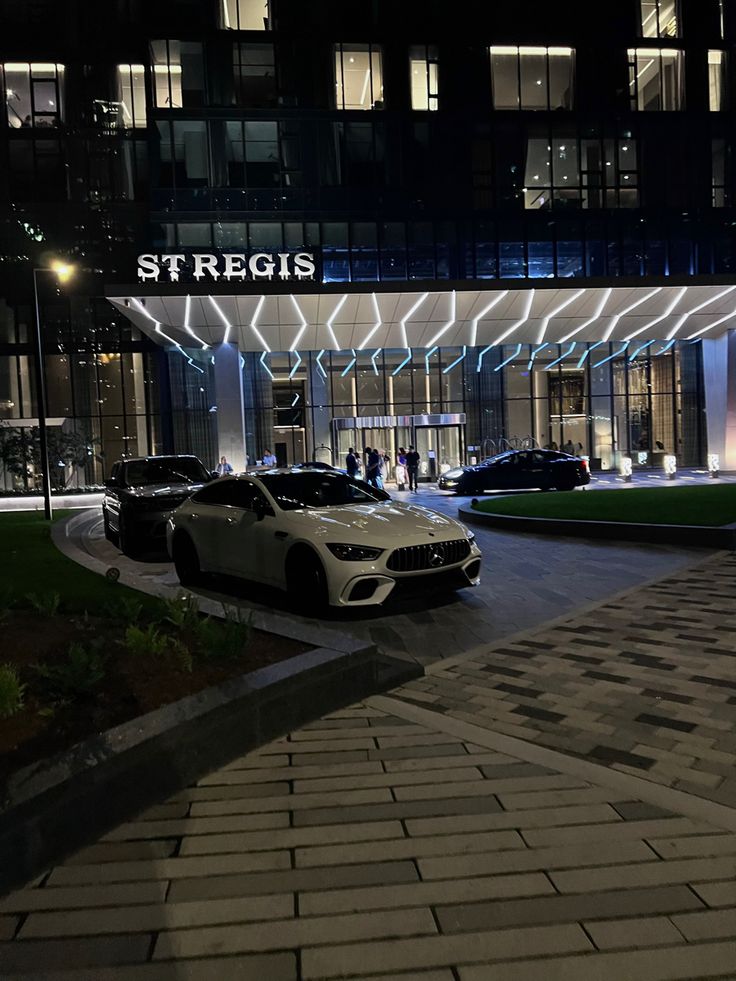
(720,537)
(54,807)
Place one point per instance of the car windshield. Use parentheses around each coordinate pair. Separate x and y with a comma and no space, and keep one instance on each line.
(165,471)
(293,491)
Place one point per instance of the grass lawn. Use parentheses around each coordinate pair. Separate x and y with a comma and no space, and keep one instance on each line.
(31,563)
(711,505)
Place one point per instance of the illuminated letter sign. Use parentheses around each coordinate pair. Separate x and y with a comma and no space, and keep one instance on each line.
(228,266)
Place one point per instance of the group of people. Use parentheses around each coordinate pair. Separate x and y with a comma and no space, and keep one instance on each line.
(378,463)
(224,468)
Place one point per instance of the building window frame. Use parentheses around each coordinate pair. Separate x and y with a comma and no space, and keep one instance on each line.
(131,97)
(659,19)
(670,94)
(245,15)
(371,90)
(555,97)
(717,80)
(34,111)
(424,77)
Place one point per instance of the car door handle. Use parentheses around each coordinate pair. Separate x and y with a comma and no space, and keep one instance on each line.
(194,515)
(230,521)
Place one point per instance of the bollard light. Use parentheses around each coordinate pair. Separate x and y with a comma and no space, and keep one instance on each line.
(626,468)
(714,464)
(670,466)
(641,457)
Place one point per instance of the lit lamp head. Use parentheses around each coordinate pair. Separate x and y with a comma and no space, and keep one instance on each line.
(63,270)
(714,464)
(626,468)
(670,466)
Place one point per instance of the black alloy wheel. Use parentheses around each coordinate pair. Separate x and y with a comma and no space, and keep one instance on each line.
(128,543)
(306,581)
(186,561)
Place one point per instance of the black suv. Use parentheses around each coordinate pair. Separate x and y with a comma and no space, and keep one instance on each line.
(141,493)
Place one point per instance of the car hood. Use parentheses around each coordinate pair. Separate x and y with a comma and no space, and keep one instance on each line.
(384,524)
(150,492)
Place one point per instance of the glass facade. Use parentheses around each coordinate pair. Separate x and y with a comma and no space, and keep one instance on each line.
(401,143)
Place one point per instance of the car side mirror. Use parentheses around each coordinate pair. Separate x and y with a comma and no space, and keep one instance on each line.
(111,482)
(261,509)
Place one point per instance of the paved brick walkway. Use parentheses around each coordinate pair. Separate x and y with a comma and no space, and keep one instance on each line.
(371,844)
(645,684)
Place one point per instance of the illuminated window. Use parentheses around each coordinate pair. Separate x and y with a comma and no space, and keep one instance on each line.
(424,76)
(659,18)
(656,77)
(245,15)
(562,172)
(178,74)
(131,96)
(532,78)
(33,94)
(717,80)
(358,76)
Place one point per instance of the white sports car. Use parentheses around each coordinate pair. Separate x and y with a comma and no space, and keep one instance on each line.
(320,535)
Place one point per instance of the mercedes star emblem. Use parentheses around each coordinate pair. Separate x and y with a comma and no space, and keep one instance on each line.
(437,556)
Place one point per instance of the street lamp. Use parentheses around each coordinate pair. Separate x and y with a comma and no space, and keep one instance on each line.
(63,272)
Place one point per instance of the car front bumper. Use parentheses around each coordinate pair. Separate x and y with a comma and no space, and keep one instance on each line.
(372,583)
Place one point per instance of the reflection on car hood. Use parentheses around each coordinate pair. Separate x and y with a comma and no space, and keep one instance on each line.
(153,491)
(384,524)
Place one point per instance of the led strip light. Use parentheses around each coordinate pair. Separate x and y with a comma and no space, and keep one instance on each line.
(716,323)
(331,320)
(633,306)
(254,328)
(226,322)
(375,327)
(559,309)
(157,328)
(699,307)
(455,362)
(450,322)
(187,328)
(562,357)
(592,320)
(476,320)
(506,333)
(660,318)
(404,319)
(303,327)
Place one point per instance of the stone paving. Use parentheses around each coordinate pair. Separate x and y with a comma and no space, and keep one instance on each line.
(384,842)
(645,684)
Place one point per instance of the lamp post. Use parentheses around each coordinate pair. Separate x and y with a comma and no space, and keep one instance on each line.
(63,272)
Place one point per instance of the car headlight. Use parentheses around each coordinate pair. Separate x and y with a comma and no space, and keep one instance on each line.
(471,536)
(354,553)
(454,473)
(449,483)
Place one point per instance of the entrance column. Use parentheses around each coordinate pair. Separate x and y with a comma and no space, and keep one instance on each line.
(719,377)
(321,411)
(230,415)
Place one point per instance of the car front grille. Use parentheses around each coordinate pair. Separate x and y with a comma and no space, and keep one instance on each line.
(415,558)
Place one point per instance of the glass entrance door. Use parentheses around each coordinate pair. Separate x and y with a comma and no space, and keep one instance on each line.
(440,449)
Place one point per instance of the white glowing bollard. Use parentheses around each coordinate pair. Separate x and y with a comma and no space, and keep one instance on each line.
(626,468)
(670,466)
(714,464)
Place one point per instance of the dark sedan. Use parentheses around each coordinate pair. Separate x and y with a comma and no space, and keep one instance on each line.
(141,493)
(518,470)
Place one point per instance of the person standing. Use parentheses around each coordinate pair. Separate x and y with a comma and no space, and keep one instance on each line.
(374,469)
(401,469)
(269,460)
(352,463)
(223,467)
(412,467)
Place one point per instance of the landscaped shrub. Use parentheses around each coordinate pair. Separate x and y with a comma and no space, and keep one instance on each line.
(11,691)
(146,641)
(226,639)
(76,675)
(7,601)
(126,608)
(47,604)
(182,612)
